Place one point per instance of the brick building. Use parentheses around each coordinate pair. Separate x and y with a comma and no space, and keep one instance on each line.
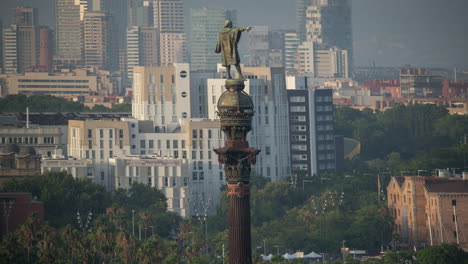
(455,89)
(429,210)
(16,207)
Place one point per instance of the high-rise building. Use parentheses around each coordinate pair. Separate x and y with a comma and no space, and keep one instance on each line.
(320,61)
(168,16)
(329,22)
(205,26)
(10,49)
(311,131)
(69,16)
(301,8)
(173,48)
(133,51)
(27,37)
(291,43)
(96,39)
(162,95)
(45,47)
(266,48)
(267,88)
(149,46)
(118,13)
(25,16)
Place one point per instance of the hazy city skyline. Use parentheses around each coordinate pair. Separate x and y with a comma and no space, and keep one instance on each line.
(389,33)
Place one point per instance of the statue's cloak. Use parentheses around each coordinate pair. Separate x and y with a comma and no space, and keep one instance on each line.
(227,45)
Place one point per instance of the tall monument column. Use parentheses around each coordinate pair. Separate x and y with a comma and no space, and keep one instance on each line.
(236,110)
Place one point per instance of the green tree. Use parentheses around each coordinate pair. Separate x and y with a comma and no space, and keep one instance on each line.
(444,253)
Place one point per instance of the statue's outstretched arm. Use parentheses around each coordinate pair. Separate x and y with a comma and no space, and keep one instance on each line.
(246,29)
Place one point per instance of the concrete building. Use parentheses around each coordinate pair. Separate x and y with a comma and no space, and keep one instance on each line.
(205,25)
(10,49)
(78,168)
(267,88)
(321,61)
(27,37)
(46,140)
(162,95)
(173,48)
(149,47)
(266,48)
(18,162)
(312,135)
(429,210)
(420,83)
(96,39)
(100,140)
(329,22)
(69,16)
(77,82)
(170,176)
(291,42)
(168,16)
(133,51)
(45,47)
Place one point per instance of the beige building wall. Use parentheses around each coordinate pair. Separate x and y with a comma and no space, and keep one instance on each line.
(173,48)
(40,83)
(96,39)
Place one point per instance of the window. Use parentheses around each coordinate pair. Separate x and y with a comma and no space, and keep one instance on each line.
(454,202)
(90,144)
(168,144)
(194,144)
(152,78)
(101,143)
(184,154)
(201,175)
(194,176)
(111,133)
(173,78)
(201,133)
(267,150)
(121,133)
(101,133)
(166,181)
(201,155)
(101,154)
(194,154)
(175,144)
(151,144)
(297,99)
(200,165)
(183,143)
(161,78)
(194,133)
(110,144)
(121,144)
(142,144)
(90,133)
(210,133)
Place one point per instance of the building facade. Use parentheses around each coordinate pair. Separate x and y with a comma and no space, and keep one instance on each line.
(321,61)
(420,83)
(10,49)
(429,210)
(162,95)
(312,131)
(69,16)
(96,39)
(267,88)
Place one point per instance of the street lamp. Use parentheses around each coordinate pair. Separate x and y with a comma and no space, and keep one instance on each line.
(133,222)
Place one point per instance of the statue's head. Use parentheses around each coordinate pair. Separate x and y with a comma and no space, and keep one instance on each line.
(228,24)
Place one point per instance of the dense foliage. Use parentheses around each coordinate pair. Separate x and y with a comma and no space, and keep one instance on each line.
(47,103)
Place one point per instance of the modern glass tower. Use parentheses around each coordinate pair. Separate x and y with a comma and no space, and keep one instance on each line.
(205,25)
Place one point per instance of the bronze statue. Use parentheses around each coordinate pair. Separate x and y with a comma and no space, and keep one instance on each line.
(227,45)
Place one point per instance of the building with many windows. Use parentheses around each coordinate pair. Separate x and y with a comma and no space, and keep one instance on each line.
(69,16)
(267,88)
(168,175)
(96,39)
(311,129)
(419,83)
(162,95)
(429,210)
(320,61)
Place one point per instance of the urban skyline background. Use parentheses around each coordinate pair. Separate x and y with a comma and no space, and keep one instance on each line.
(389,33)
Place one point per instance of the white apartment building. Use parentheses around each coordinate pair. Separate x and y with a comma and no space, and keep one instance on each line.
(169,175)
(162,95)
(270,133)
(78,168)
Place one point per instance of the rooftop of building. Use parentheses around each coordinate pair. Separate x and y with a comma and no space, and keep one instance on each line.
(19,119)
